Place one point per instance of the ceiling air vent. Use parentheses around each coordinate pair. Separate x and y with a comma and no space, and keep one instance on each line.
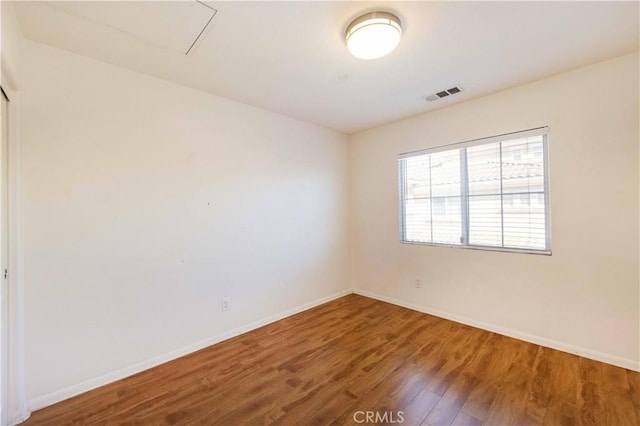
(443,94)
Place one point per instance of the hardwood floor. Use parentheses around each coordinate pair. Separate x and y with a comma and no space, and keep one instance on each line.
(356,359)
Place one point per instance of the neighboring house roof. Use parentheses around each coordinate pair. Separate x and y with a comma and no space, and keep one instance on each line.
(490,171)
(510,170)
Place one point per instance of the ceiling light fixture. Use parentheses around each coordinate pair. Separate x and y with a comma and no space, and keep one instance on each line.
(373,35)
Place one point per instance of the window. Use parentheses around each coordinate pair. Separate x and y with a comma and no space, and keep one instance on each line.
(491,193)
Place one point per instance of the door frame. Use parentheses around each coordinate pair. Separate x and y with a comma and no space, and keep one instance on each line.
(12,353)
(4,235)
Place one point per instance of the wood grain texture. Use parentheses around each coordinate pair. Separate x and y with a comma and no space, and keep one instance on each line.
(356,359)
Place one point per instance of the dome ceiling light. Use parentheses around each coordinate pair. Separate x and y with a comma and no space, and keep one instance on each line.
(373,35)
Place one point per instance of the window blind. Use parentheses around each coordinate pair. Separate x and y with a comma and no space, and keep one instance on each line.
(489,193)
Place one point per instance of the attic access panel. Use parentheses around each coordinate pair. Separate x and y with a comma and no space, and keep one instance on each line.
(171,25)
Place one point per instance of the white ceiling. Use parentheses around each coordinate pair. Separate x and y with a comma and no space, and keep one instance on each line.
(169,24)
(290,57)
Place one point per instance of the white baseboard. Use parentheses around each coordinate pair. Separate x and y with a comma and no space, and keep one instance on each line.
(71,391)
(531,338)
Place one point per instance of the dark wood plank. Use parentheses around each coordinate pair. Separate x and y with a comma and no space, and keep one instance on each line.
(480,400)
(634,389)
(619,409)
(508,406)
(561,413)
(420,407)
(447,409)
(615,378)
(464,419)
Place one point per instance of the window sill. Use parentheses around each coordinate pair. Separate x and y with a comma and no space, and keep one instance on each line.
(483,248)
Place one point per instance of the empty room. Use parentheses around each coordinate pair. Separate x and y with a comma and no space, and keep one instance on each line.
(320,213)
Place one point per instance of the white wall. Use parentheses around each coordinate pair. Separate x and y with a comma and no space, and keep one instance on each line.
(146,203)
(583,298)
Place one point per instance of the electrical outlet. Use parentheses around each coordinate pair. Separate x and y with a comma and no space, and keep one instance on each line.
(226,304)
(418,283)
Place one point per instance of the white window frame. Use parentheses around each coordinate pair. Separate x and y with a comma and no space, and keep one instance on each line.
(540,131)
